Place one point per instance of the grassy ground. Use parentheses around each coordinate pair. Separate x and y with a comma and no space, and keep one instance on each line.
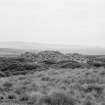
(55,87)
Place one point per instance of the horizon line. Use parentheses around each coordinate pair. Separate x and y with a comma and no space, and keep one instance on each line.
(55,44)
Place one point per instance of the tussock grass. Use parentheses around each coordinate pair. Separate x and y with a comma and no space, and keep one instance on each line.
(56,87)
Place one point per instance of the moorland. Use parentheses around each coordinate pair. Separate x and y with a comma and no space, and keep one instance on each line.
(52,78)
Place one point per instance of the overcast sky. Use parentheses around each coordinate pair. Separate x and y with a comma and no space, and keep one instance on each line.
(76,22)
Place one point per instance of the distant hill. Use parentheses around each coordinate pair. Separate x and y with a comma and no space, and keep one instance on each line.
(10,52)
(36,47)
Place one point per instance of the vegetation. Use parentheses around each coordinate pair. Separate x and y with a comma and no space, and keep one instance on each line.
(52,78)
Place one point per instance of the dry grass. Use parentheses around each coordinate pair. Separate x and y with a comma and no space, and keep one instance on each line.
(56,87)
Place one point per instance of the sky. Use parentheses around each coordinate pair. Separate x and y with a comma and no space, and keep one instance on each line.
(71,22)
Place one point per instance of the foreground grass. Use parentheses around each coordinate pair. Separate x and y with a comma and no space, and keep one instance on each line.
(55,87)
